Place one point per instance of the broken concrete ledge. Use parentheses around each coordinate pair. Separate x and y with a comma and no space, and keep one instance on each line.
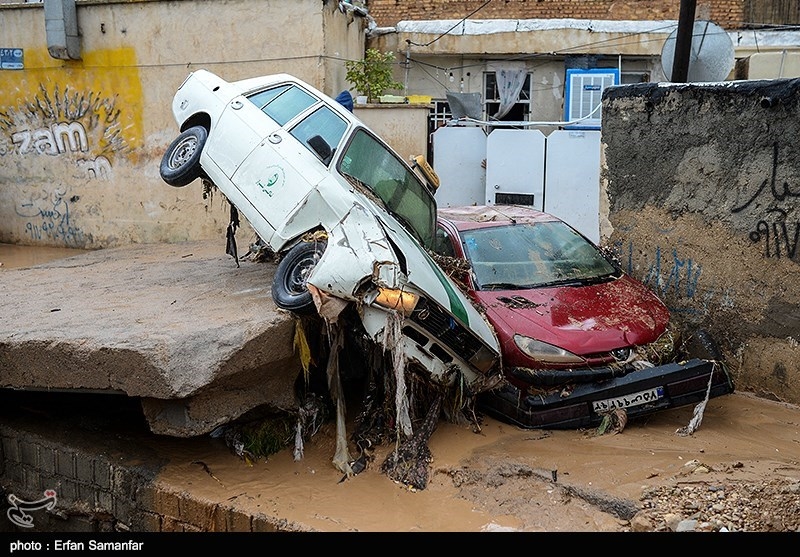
(180,326)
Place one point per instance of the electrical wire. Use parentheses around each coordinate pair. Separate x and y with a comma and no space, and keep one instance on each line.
(453,27)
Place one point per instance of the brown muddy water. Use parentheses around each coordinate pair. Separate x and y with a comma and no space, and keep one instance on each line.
(16,257)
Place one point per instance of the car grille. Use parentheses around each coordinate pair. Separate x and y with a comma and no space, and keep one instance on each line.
(446,329)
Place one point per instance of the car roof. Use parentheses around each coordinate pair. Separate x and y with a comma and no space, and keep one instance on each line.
(252,84)
(482,216)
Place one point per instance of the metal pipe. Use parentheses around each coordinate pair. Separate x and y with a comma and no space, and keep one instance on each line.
(683,42)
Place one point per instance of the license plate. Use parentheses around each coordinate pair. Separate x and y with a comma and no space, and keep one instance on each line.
(634,399)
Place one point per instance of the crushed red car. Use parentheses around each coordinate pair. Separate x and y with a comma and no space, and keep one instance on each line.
(579,337)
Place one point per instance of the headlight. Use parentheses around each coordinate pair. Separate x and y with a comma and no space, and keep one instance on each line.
(546,353)
(399,300)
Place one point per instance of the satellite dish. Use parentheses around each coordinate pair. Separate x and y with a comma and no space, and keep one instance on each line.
(711,57)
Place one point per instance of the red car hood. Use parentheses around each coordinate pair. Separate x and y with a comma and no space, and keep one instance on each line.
(584,320)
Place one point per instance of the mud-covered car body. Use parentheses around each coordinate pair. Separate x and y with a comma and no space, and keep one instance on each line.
(350,219)
(579,337)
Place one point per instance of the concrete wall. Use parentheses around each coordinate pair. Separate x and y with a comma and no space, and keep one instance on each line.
(404,126)
(81,140)
(704,206)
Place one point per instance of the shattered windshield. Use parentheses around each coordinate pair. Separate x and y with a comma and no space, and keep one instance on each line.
(533,255)
(379,169)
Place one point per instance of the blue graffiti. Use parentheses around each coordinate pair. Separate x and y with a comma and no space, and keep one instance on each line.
(679,277)
(683,276)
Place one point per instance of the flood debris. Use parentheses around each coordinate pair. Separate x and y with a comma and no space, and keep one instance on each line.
(614,421)
(697,414)
(409,462)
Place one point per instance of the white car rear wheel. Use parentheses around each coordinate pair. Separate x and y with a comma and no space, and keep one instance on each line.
(180,164)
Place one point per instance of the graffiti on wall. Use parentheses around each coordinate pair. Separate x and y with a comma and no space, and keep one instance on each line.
(48,217)
(85,125)
(775,229)
(676,279)
(82,129)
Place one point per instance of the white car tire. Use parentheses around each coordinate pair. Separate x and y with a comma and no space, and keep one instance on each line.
(180,164)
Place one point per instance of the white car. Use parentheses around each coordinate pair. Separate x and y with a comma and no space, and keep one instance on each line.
(350,219)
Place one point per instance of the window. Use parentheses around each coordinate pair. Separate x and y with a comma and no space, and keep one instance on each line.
(533,256)
(439,116)
(283,103)
(444,243)
(323,122)
(520,111)
(634,77)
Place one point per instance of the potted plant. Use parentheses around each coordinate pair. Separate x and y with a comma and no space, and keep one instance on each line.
(372,76)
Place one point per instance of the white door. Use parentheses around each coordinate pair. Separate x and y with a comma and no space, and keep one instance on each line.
(458,154)
(515,168)
(573,179)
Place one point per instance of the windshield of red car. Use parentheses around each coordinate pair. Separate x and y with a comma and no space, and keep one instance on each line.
(531,255)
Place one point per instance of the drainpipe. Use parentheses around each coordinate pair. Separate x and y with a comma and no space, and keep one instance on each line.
(61,26)
(408,61)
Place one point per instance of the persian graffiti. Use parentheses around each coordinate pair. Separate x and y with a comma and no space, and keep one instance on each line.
(775,229)
(48,217)
(782,240)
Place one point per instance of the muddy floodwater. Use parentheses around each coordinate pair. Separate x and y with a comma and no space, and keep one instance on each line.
(14,257)
(497,477)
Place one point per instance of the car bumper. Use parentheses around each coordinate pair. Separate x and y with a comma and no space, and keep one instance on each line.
(679,384)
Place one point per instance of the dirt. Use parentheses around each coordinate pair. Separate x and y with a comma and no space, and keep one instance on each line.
(738,471)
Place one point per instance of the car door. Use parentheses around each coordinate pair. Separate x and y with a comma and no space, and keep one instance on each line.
(241,127)
(288,164)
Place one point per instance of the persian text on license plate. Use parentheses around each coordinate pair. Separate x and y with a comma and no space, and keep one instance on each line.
(634,399)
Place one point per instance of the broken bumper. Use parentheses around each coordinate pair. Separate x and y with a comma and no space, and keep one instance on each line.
(639,393)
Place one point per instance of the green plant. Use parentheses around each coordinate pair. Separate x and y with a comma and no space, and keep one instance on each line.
(372,76)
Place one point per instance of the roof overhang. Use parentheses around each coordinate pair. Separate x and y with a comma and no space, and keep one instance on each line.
(558,37)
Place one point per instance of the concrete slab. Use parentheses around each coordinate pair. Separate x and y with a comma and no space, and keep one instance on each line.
(197,339)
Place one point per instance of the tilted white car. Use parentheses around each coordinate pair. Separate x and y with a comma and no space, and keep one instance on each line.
(347,215)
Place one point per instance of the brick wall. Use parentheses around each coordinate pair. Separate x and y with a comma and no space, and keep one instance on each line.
(99,493)
(726,13)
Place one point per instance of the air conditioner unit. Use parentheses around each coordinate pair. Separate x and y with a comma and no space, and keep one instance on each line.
(583,96)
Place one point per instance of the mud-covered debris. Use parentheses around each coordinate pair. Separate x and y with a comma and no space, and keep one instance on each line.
(409,463)
(614,421)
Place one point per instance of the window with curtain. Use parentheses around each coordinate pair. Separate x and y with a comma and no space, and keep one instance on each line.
(507,95)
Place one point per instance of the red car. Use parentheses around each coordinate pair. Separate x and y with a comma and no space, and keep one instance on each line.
(579,337)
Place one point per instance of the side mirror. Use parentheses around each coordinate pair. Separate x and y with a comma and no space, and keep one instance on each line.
(321,148)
